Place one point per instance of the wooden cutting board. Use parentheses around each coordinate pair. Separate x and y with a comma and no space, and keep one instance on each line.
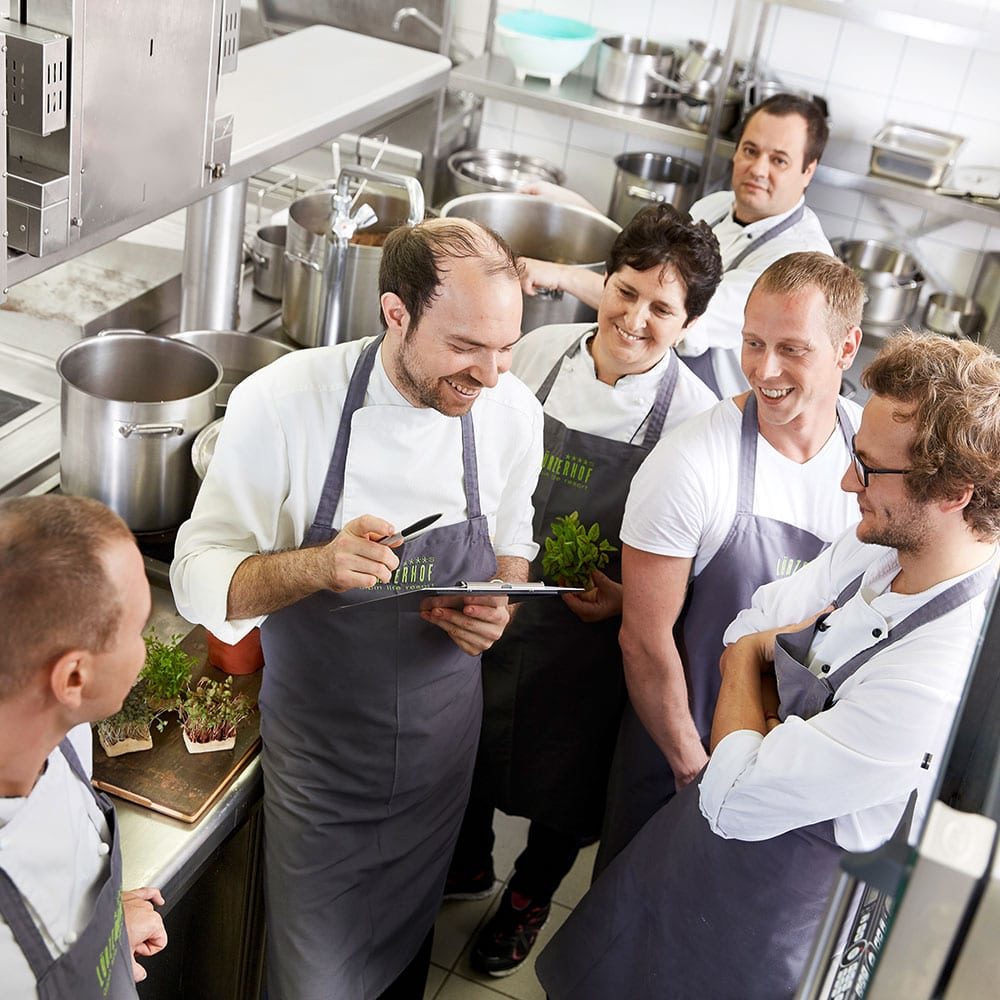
(168,779)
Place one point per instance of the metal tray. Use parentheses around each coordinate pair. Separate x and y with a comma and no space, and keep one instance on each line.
(913,154)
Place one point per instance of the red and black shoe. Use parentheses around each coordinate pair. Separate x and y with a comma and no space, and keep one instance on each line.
(476,886)
(509,935)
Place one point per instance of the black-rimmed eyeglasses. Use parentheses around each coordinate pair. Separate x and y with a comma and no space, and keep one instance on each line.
(864,471)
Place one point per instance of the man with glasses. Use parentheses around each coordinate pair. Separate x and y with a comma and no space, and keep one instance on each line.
(824,729)
(734,498)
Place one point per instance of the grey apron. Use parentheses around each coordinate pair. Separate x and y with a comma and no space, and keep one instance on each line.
(553,687)
(702,364)
(99,963)
(687,915)
(370,720)
(756,551)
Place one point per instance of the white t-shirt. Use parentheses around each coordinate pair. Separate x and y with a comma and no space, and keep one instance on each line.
(722,324)
(55,846)
(683,498)
(266,477)
(582,402)
(857,762)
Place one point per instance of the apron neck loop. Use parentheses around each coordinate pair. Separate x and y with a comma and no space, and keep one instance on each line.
(334,485)
(661,405)
(550,380)
(765,237)
(748,457)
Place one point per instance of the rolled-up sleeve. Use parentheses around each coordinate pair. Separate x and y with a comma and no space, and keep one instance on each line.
(237,514)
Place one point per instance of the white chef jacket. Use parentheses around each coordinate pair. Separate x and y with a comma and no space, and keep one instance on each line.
(581,401)
(857,762)
(722,323)
(683,498)
(55,846)
(264,482)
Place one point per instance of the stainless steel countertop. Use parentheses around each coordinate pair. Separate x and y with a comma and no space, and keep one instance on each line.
(156,849)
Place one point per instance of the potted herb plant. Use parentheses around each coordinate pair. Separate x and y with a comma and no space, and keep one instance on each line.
(128,730)
(210,713)
(166,672)
(573,551)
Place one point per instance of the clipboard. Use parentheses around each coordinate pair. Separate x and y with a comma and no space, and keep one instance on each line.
(425,598)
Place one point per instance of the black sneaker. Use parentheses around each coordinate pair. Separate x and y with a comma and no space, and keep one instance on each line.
(477,886)
(508,937)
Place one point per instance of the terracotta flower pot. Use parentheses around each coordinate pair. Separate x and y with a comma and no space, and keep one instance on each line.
(243,657)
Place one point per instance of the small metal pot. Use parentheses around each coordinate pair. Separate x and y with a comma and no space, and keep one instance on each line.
(633,70)
(546,231)
(473,171)
(702,63)
(954,315)
(238,353)
(696,114)
(892,280)
(267,251)
(647,178)
(131,406)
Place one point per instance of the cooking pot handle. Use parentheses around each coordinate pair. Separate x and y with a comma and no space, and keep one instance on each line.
(644,194)
(150,430)
(105,333)
(548,293)
(299,259)
(258,258)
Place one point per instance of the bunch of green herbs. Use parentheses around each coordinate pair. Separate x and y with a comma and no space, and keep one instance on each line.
(573,551)
(212,710)
(166,672)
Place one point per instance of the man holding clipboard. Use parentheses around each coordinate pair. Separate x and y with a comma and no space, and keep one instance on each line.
(370,716)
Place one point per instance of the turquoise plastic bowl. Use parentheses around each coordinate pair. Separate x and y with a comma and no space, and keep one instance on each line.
(542,44)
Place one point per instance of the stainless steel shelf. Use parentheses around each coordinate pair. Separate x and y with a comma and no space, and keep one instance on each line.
(493,76)
(845,165)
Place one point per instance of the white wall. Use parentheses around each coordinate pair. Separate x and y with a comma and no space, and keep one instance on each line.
(867,76)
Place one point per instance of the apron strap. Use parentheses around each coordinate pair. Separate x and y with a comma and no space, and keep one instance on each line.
(954,597)
(12,906)
(664,392)
(844,421)
(765,237)
(333,487)
(661,405)
(748,457)
(550,380)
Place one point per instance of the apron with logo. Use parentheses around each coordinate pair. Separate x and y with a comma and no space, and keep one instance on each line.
(553,687)
(683,913)
(703,364)
(370,720)
(756,551)
(99,963)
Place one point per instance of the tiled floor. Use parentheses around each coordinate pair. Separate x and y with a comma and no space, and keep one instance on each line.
(451,976)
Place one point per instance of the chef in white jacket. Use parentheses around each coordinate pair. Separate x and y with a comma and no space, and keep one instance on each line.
(75,602)
(760,220)
(824,728)
(370,715)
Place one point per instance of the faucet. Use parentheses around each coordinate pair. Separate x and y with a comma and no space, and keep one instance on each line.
(403,13)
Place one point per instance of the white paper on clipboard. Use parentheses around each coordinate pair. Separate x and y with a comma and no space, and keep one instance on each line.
(425,598)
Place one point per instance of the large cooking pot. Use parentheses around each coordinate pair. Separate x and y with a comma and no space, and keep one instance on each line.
(634,70)
(474,171)
(647,178)
(891,276)
(238,353)
(308,253)
(701,64)
(132,405)
(546,231)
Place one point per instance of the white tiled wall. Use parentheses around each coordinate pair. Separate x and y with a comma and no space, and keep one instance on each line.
(868,76)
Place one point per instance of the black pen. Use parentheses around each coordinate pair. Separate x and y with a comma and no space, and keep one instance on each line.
(411,529)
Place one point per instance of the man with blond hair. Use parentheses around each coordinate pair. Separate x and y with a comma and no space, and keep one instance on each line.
(738,496)
(75,601)
(823,729)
